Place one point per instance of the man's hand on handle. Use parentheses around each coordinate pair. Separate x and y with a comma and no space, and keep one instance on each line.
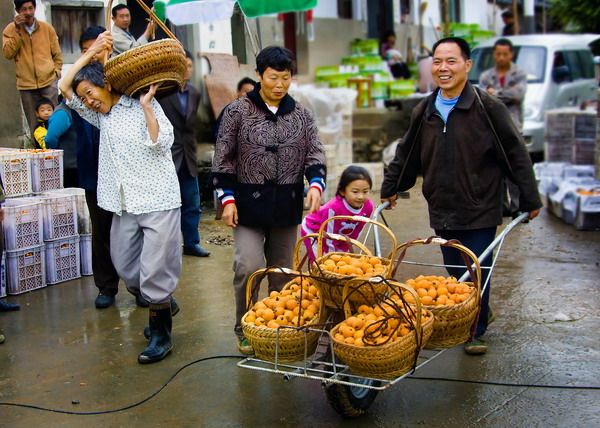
(392,201)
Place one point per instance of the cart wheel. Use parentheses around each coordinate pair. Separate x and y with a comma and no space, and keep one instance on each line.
(351,401)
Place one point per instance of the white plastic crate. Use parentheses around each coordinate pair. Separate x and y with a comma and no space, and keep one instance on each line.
(46,170)
(62,260)
(15,169)
(3,275)
(26,269)
(60,215)
(84,223)
(85,246)
(23,223)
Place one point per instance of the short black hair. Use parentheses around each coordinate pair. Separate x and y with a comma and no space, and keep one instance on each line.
(388,34)
(19,3)
(117,8)
(245,81)
(504,42)
(350,174)
(276,57)
(465,50)
(507,14)
(188,54)
(90,33)
(43,102)
(93,73)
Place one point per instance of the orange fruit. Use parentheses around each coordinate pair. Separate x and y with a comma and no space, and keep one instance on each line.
(291,304)
(268,315)
(426,300)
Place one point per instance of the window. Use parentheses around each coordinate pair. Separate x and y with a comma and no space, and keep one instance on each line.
(532,59)
(345,9)
(587,64)
(69,23)
(572,61)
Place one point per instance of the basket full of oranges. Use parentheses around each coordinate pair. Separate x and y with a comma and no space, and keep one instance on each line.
(382,339)
(454,304)
(277,326)
(333,270)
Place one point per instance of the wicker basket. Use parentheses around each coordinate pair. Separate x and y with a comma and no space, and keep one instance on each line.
(331,283)
(161,61)
(453,324)
(389,360)
(284,344)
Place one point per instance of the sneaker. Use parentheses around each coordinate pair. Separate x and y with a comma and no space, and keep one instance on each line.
(102,301)
(2,338)
(244,346)
(475,347)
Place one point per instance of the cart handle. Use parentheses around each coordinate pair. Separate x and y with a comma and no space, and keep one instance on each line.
(332,236)
(467,254)
(350,287)
(359,219)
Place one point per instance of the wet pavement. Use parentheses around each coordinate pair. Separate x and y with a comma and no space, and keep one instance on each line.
(63,354)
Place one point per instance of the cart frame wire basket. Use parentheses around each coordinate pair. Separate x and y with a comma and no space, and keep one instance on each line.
(161,61)
(389,359)
(286,343)
(453,324)
(332,283)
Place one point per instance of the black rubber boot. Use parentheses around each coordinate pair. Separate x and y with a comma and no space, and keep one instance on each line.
(174,311)
(160,334)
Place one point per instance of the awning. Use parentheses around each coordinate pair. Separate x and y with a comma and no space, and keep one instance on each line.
(254,8)
(184,12)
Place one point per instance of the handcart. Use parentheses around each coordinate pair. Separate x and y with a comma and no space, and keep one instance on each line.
(348,393)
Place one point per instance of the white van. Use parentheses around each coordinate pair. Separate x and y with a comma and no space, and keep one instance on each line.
(560,73)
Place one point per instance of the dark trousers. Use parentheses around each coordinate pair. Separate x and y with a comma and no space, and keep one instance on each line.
(190,206)
(71,178)
(105,274)
(477,240)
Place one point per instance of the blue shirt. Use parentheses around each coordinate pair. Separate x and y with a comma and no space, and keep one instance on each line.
(444,106)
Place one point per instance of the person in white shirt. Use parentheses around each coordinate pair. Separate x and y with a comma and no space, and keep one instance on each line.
(123,40)
(137,181)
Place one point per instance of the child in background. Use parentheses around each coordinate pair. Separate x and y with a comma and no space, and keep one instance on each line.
(352,198)
(43,110)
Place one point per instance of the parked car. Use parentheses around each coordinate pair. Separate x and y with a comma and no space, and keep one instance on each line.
(560,73)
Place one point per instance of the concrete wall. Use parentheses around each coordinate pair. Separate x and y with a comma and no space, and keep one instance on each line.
(12,127)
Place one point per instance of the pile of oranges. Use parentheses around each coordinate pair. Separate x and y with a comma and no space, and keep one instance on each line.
(352,265)
(297,304)
(376,325)
(438,290)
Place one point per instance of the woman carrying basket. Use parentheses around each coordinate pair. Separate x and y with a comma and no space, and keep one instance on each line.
(136,181)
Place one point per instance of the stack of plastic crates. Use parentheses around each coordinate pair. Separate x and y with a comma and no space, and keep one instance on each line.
(61,236)
(46,170)
(25,252)
(15,170)
(84,225)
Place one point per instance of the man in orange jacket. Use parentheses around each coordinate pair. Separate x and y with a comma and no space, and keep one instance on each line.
(38,60)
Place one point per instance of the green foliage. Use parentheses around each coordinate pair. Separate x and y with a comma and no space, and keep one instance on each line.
(579,15)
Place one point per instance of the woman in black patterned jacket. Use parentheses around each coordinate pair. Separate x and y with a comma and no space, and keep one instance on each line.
(267,143)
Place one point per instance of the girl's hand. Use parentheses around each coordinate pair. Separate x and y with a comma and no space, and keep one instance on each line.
(313,198)
(146,98)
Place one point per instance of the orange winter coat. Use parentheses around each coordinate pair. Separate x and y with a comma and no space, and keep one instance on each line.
(38,59)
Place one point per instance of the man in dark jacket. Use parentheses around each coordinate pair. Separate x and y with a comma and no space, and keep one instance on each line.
(464,143)
(181,108)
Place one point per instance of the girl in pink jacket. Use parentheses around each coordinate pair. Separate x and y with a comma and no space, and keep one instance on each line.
(351,199)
